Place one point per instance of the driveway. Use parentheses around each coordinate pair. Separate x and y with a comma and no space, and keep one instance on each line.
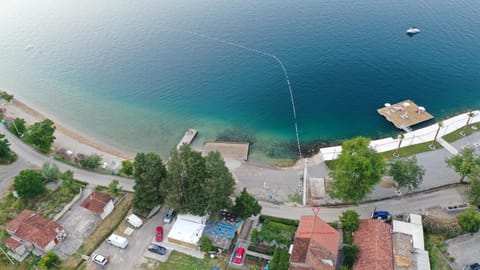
(131,257)
(79,223)
(8,172)
(465,249)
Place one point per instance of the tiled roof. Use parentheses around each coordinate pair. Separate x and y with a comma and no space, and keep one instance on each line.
(34,228)
(374,239)
(12,243)
(315,241)
(96,201)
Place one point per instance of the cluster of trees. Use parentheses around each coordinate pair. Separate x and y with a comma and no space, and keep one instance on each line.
(30,183)
(40,134)
(189,183)
(359,168)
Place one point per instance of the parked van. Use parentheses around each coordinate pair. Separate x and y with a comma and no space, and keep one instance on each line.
(117,241)
(135,221)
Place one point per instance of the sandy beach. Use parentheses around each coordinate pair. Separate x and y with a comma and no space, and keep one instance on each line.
(66,137)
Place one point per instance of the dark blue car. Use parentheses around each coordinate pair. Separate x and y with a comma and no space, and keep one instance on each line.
(383,215)
(474,266)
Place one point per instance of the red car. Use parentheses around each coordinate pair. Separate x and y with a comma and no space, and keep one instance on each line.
(239,255)
(159,234)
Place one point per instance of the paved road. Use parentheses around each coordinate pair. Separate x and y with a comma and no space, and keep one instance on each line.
(413,204)
(35,159)
(7,173)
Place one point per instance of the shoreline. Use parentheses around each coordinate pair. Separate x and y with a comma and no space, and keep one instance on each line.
(67,137)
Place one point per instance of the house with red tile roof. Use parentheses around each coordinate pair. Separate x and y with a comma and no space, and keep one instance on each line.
(99,204)
(374,239)
(316,245)
(30,230)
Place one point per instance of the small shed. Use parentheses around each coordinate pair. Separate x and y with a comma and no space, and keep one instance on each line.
(187,230)
(98,203)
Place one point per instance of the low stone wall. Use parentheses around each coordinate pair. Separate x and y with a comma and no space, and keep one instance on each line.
(68,206)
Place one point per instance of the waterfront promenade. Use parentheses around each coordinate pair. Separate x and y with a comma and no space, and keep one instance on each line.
(423,135)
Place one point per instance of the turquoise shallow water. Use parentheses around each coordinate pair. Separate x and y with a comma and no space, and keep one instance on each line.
(135,75)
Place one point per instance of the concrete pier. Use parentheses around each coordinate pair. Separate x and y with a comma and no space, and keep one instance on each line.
(188,138)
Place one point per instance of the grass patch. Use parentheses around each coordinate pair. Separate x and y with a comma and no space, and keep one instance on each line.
(180,261)
(410,150)
(278,232)
(453,136)
(296,198)
(101,232)
(30,263)
(435,244)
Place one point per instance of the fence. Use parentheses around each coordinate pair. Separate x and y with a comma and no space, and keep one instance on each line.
(422,135)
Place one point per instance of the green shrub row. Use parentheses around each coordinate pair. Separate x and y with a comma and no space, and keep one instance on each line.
(286,221)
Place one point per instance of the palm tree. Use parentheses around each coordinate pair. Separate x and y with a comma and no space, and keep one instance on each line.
(432,145)
(470,114)
(400,137)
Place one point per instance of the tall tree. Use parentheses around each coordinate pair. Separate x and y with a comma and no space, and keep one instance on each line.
(432,145)
(18,127)
(40,135)
(198,185)
(219,183)
(186,181)
(150,174)
(246,205)
(357,169)
(466,163)
(406,172)
(29,184)
(5,151)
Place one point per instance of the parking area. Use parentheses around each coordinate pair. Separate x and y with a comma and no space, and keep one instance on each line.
(465,249)
(79,223)
(134,254)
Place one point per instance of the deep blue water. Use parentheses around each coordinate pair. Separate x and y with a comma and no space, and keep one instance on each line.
(136,74)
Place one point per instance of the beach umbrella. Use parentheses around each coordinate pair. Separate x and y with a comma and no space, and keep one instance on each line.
(406,104)
(388,104)
(421,108)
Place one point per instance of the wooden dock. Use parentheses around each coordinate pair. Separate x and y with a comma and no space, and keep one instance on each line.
(188,138)
(405,114)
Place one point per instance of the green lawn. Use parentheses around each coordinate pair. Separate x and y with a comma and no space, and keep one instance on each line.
(180,261)
(453,136)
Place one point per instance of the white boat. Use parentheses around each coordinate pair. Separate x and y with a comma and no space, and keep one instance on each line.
(413,31)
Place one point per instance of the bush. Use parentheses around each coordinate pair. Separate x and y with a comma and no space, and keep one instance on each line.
(266,219)
(350,255)
(90,161)
(280,259)
(206,244)
(470,220)
(279,232)
(254,235)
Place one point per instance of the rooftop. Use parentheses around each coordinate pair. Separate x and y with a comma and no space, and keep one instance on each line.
(316,243)
(374,239)
(405,114)
(96,201)
(34,228)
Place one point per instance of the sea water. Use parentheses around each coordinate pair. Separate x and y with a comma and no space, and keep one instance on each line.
(137,74)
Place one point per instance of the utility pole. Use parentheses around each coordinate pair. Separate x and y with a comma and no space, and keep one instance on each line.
(305,175)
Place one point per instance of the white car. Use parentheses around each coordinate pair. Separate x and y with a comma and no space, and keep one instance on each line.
(99,259)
